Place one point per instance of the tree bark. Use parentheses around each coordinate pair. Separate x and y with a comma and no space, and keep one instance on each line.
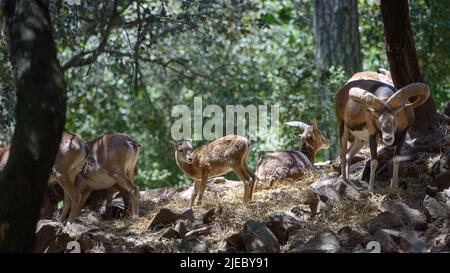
(403,61)
(337,43)
(40,116)
(336,36)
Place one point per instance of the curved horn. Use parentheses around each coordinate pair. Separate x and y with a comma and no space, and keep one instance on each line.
(400,98)
(298,124)
(366,98)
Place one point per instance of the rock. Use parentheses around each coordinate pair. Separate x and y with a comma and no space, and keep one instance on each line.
(163,218)
(301,214)
(86,242)
(171,233)
(182,227)
(410,241)
(116,210)
(258,238)
(158,193)
(331,189)
(442,181)
(325,189)
(406,215)
(283,224)
(235,243)
(276,195)
(388,240)
(191,244)
(79,228)
(89,217)
(349,238)
(209,216)
(59,245)
(198,231)
(441,243)
(325,242)
(46,232)
(188,214)
(384,220)
(434,209)
(405,240)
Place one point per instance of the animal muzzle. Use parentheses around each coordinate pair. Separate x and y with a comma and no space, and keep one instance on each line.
(388,139)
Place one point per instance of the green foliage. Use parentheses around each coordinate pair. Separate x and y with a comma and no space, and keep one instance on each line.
(162,53)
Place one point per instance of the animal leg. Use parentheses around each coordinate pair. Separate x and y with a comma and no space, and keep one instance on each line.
(254,179)
(354,148)
(74,194)
(131,189)
(195,192)
(84,196)
(202,188)
(246,179)
(395,163)
(65,209)
(343,151)
(373,161)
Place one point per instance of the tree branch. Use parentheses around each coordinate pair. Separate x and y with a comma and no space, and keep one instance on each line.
(81,59)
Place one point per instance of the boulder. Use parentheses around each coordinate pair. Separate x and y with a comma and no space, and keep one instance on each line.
(442,181)
(191,244)
(258,238)
(116,210)
(163,218)
(411,241)
(384,220)
(209,216)
(187,214)
(87,242)
(60,244)
(171,233)
(182,227)
(405,240)
(89,217)
(388,240)
(46,232)
(283,225)
(235,243)
(351,239)
(406,215)
(158,193)
(301,214)
(440,243)
(331,189)
(325,242)
(434,209)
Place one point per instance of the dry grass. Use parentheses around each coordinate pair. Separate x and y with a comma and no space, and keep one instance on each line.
(235,213)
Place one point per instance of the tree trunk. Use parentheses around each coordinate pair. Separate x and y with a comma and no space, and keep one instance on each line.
(336,36)
(403,62)
(336,39)
(40,116)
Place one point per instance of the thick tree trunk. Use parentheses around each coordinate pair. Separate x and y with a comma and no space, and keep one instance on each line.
(40,116)
(403,62)
(336,36)
(336,39)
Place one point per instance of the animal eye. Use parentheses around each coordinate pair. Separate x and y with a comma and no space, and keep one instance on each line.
(180,151)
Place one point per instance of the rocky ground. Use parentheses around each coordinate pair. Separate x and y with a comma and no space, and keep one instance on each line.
(319,213)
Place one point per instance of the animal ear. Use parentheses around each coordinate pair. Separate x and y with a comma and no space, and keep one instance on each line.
(173,144)
(314,124)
